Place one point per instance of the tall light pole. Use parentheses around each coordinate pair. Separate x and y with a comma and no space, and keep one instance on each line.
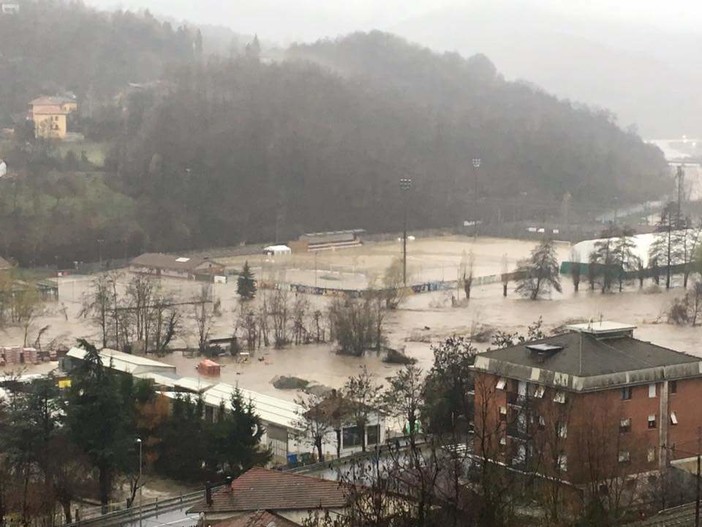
(476,166)
(405,186)
(139,482)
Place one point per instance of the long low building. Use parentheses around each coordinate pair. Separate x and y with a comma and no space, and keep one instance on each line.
(168,265)
(282,419)
(118,361)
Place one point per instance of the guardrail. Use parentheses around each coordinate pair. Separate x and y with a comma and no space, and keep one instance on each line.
(122,516)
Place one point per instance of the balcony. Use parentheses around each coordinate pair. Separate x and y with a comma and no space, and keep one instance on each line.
(515,399)
(518,432)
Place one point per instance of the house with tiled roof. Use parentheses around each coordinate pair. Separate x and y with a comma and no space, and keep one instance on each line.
(50,116)
(291,496)
(258,519)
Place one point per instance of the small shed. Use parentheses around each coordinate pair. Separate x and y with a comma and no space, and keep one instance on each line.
(209,368)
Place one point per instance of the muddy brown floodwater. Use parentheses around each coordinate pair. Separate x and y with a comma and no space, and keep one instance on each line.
(426,317)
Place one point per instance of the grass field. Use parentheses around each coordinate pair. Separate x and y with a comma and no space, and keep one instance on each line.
(428,259)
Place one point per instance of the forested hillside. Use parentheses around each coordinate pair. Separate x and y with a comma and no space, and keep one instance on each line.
(241,146)
(244,149)
(53,46)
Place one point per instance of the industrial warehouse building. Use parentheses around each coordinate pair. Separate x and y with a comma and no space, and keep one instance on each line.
(281,418)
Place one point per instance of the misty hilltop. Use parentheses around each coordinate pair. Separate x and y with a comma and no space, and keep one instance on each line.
(209,151)
(638,59)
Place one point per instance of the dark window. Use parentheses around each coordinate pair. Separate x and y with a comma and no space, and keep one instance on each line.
(373,434)
(673,386)
(352,437)
(626,393)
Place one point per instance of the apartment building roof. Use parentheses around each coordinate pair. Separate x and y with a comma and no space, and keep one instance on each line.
(589,359)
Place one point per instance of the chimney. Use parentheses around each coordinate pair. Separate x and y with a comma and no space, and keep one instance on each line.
(208,493)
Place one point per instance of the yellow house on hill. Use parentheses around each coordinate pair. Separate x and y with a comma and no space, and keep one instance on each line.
(50,116)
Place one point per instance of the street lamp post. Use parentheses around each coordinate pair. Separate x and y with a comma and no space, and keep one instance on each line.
(405,186)
(139,482)
(476,166)
(99,244)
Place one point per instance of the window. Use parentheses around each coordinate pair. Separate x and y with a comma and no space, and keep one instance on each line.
(503,413)
(626,393)
(673,418)
(651,391)
(625,425)
(562,463)
(373,434)
(503,441)
(542,423)
(563,430)
(673,386)
(351,437)
(624,456)
(501,383)
(560,397)
(652,421)
(539,392)
(651,457)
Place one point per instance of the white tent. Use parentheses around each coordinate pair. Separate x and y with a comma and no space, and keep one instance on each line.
(276,250)
(580,252)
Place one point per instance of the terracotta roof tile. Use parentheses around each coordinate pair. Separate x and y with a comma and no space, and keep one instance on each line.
(258,519)
(263,489)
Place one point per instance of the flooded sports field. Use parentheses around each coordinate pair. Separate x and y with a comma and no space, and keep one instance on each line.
(421,320)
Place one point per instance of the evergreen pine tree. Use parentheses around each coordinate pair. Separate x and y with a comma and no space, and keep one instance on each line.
(539,274)
(246,284)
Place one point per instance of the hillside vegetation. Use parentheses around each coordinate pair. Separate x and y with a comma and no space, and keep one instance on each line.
(243,149)
(53,46)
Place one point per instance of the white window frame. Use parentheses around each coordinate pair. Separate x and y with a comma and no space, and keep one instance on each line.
(563,430)
(562,462)
(652,391)
(539,392)
(559,397)
(652,419)
(624,456)
(503,410)
(673,418)
(501,383)
(625,423)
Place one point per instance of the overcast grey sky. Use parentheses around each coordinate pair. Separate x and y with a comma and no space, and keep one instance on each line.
(286,20)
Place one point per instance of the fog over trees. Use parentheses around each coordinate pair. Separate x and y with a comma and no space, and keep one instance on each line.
(224,149)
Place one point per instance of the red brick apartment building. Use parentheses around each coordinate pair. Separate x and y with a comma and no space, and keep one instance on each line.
(590,404)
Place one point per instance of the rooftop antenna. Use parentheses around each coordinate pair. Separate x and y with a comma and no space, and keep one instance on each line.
(601,317)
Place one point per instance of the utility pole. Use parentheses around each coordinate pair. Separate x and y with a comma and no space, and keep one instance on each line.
(476,166)
(405,187)
(680,176)
(140,483)
(697,494)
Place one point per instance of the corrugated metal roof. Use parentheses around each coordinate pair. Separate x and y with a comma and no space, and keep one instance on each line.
(172,380)
(270,409)
(125,362)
